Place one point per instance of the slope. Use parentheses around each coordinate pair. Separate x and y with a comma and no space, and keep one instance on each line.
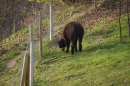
(104,60)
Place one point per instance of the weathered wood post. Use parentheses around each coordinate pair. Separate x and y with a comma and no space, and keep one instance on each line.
(40,35)
(14,28)
(51,20)
(31,55)
(25,70)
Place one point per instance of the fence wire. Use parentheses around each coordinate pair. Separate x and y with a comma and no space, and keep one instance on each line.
(88,18)
(16,79)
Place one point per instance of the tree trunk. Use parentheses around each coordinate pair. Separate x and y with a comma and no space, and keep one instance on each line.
(95,1)
(120,21)
(127,8)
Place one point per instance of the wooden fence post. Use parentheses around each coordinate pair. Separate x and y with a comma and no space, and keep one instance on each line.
(27,72)
(51,20)
(14,28)
(40,35)
(24,73)
(31,55)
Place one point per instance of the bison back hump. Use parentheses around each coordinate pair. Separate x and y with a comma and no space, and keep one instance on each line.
(73,29)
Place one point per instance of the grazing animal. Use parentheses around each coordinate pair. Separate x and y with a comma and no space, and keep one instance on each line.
(72,32)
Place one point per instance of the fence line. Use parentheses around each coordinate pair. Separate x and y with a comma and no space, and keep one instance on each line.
(25,71)
(37,54)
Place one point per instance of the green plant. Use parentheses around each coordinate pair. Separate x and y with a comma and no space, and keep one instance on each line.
(23,46)
(9,55)
(104,64)
(1,65)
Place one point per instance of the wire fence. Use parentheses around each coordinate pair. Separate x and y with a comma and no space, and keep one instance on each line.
(17,79)
(61,19)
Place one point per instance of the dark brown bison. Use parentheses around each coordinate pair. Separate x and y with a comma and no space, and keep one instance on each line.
(72,32)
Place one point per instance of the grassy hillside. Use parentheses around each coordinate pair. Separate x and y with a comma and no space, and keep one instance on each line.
(104,61)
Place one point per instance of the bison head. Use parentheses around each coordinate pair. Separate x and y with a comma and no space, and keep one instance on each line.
(61,44)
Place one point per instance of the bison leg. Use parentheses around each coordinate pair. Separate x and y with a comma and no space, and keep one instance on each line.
(63,49)
(80,47)
(75,45)
(72,47)
(67,45)
(80,44)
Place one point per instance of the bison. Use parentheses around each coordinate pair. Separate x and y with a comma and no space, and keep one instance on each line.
(73,31)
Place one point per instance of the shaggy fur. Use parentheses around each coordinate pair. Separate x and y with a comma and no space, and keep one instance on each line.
(72,32)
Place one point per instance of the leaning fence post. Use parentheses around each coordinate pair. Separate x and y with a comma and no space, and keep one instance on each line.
(23,76)
(27,72)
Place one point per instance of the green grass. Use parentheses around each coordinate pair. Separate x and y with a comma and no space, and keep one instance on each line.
(105,66)
(6,57)
(10,55)
(102,63)
(67,13)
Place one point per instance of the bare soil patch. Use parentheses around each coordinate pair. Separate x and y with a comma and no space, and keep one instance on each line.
(11,64)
